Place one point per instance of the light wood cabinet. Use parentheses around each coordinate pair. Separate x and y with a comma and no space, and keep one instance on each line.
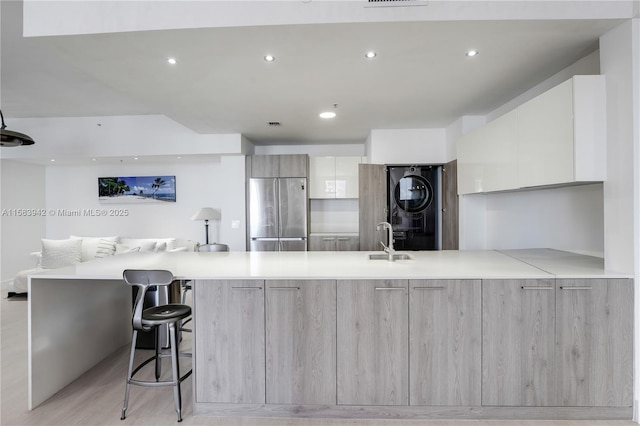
(333,177)
(556,138)
(373,342)
(518,323)
(450,209)
(372,204)
(445,342)
(337,242)
(594,356)
(301,342)
(230,363)
(266,166)
(565,342)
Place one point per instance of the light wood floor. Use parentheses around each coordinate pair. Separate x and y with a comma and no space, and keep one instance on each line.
(96,397)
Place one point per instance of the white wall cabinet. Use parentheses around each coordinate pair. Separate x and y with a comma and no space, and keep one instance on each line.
(333,177)
(556,138)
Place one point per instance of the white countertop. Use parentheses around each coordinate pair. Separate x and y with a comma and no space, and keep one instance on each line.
(446,264)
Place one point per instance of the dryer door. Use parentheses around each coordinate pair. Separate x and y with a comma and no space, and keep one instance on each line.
(413,193)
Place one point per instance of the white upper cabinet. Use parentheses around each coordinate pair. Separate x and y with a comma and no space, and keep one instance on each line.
(488,157)
(556,138)
(333,177)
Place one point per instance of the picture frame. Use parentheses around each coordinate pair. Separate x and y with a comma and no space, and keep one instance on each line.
(156,189)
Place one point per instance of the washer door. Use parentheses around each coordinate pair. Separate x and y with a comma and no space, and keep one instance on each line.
(413,193)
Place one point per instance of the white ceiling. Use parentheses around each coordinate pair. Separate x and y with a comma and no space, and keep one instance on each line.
(421,77)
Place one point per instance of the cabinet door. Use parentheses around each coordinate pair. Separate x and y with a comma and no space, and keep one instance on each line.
(322,243)
(294,165)
(518,332)
(445,342)
(500,169)
(471,160)
(265,166)
(229,341)
(322,177)
(450,219)
(373,342)
(301,342)
(346,176)
(594,356)
(372,203)
(350,243)
(545,138)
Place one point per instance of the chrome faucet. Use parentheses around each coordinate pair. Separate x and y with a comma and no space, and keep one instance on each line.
(387,249)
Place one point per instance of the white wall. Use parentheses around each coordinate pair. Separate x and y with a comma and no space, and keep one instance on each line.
(22,187)
(216,184)
(407,146)
(331,150)
(617,51)
(562,218)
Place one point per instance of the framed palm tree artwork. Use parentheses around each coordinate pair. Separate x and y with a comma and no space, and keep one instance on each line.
(137,189)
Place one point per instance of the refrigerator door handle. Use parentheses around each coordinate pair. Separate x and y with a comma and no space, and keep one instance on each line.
(264,239)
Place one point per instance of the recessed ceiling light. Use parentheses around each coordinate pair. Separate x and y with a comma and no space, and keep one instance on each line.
(93,159)
(327,114)
(172,61)
(269,58)
(53,160)
(472,52)
(135,158)
(370,55)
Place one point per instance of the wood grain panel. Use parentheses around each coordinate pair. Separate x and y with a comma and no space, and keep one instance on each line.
(518,342)
(450,220)
(229,341)
(265,166)
(372,204)
(594,356)
(296,165)
(301,342)
(445,342)
(373,342)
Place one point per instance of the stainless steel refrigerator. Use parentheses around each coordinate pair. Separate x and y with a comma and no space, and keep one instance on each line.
(278,214)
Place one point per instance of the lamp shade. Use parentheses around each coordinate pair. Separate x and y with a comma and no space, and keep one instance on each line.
(206,213)
(11,138)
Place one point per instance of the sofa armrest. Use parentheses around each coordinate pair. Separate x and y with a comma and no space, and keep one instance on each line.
(37,256)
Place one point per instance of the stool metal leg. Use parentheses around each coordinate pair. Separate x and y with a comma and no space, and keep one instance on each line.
(132,353)
(175,366)
(158,349)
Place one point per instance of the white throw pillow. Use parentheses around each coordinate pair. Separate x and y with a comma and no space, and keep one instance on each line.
(148,244)
(59,253)
(90,245)
(121,249)
(105,248)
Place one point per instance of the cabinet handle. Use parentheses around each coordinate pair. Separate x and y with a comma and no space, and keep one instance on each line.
(343,239)
(284,288)
(328,239)
(389,288)
(247,288)
(524,287)
(429,288)
(575,288)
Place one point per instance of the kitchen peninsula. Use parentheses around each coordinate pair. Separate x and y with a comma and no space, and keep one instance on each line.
(465,334)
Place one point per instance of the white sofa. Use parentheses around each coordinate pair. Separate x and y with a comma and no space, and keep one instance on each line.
(65,252)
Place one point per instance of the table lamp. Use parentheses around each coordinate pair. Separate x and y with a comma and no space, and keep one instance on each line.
(206,214)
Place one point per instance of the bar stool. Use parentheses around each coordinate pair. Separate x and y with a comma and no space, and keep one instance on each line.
(150,319)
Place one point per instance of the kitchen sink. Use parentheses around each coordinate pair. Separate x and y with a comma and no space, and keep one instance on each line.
(385,256)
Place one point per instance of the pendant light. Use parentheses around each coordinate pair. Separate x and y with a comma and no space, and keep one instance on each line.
(11,138)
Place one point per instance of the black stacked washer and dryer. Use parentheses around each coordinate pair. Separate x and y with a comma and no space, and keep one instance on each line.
(413,193)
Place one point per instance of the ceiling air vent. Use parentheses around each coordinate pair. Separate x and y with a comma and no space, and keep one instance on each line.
(273,123)
(396,3)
